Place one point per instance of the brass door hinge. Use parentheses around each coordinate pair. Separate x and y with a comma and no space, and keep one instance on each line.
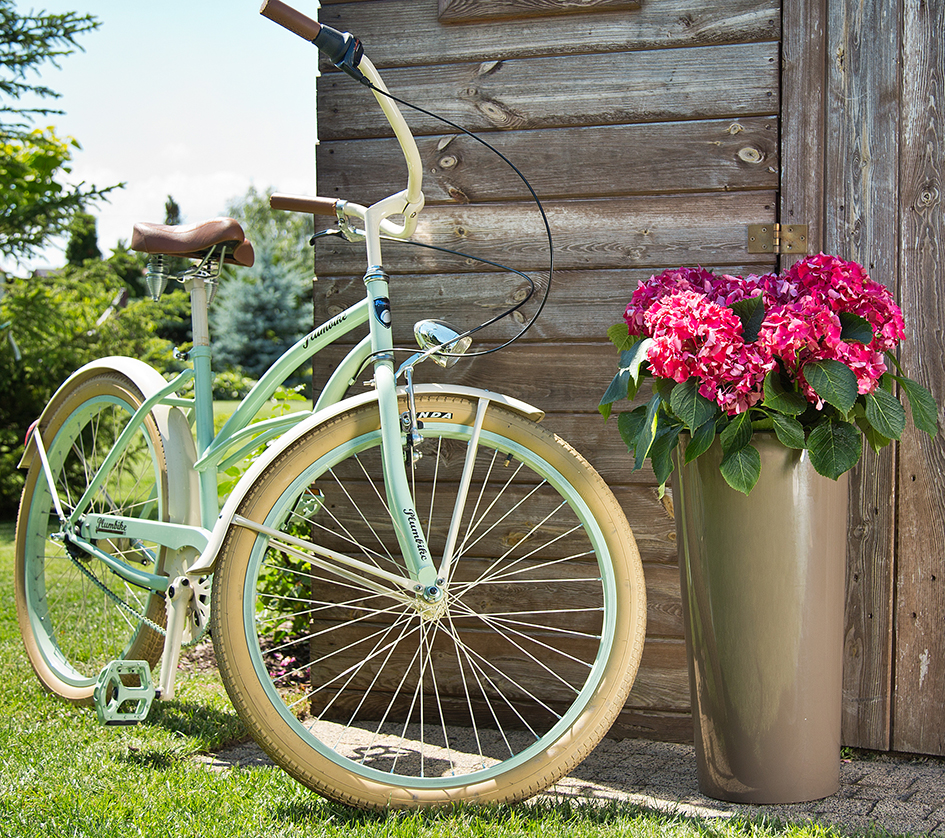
(777,238)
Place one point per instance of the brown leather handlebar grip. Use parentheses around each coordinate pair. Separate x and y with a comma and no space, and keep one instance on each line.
(301,203)
(290,18)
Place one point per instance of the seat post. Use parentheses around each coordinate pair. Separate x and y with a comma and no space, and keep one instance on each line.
(203,392)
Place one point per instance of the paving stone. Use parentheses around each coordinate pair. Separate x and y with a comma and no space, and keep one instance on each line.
(895,794)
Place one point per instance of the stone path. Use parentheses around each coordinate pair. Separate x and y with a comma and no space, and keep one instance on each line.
(896,794)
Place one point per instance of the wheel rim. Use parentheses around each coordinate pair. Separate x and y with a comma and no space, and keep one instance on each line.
(488,754)
(74,606)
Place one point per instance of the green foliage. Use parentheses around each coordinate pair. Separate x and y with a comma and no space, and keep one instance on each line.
(172,214)
(51,326)
(285,235)
(83,240)
(34,202)
(259,313)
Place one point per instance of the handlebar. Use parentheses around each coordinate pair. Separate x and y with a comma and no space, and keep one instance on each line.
(291,19)
(302,203)
(347,54)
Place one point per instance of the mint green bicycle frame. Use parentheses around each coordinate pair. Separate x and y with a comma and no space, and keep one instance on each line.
(239,435)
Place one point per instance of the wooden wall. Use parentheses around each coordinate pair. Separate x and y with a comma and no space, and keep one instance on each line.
(650,130)
(863,154)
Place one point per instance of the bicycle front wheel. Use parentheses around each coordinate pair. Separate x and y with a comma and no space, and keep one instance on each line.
(75,615)
(374,696)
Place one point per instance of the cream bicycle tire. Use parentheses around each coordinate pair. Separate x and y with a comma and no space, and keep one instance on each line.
(563,536)
(70,614)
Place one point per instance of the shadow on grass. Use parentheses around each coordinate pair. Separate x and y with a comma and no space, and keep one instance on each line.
(210,728)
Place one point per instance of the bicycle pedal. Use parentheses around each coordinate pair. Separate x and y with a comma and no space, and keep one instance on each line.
(116,701)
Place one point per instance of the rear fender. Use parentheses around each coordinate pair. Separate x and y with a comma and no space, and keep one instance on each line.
(179,449)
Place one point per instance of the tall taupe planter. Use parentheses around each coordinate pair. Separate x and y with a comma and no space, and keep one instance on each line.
(763,594)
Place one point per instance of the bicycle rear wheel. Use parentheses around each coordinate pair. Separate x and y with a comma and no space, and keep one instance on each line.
(377,698)
(74,614)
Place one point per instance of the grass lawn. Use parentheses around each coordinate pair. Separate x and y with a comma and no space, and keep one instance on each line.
(61,774)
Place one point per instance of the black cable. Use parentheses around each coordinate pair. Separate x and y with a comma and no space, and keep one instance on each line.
(535,198)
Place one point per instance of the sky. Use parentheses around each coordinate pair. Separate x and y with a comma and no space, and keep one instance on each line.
(198,99)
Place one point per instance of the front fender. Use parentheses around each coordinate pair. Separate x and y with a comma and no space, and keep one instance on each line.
(205,563)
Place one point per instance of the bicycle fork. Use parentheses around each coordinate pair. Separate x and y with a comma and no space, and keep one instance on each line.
(410,536)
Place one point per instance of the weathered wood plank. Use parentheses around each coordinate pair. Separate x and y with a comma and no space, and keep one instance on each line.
(468,11)
(861,175)
(581,304)
(662,682)
(658,726)
(663,606)
(717,155)
(919,720)
(634,232)
(399,34)
(733,81)
(803,132)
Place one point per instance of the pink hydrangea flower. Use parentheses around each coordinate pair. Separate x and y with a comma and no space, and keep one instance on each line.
(686,311)
(694,336)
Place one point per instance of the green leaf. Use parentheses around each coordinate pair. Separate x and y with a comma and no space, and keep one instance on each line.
(701,440)
(619,335)
(924,409)
(855,328)
(834,382)
(692,408)
(742,468)
(780,399)
(885,413)
(752,314)
(874,438)
(647,433)
(617,390)
(789,431)
(661,453)
(629,425)
(736,434)
(835,448)
(627,380)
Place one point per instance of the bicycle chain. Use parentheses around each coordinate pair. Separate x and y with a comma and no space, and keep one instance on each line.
(130,608)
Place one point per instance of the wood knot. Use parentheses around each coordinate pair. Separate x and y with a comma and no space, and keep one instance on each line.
(750,154)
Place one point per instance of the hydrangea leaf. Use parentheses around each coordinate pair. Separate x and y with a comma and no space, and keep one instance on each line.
(627,380)
(619,335)
(885,413)
(736,434)
(855,328)
(693,409)
(629,425)
(661,453)
(647,433)
(780,399)
(924,409)
(742,468)
(701,440)
(834,382)
(789,431)
(751,312)
(835,448)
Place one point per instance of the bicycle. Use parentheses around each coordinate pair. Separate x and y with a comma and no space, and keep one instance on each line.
(363,580)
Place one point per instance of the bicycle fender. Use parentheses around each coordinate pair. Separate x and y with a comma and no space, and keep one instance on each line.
(179,449)
(207,559)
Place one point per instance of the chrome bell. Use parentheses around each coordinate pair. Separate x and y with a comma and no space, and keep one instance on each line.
(432,334)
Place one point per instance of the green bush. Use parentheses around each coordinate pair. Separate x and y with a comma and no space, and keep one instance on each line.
(49,327)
